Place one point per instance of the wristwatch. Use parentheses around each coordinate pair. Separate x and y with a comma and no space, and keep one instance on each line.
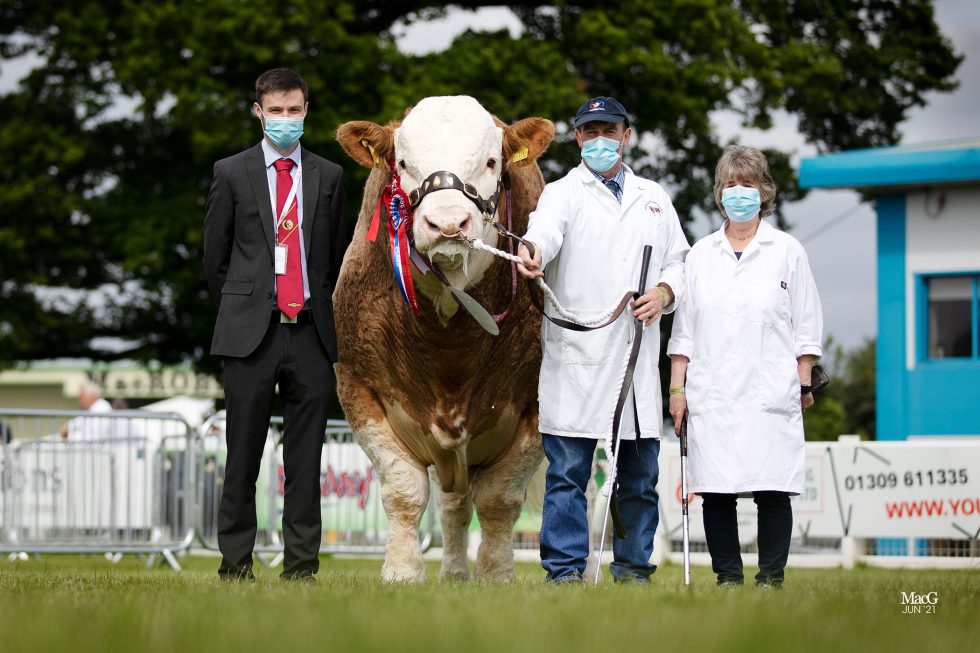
(805,389)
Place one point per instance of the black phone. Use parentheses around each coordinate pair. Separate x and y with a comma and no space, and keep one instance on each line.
(818,378)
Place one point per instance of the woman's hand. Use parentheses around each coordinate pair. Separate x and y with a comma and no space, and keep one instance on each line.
(678,410)
(806,401)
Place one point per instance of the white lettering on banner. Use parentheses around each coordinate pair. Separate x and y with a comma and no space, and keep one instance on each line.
(908,489)
(56,485)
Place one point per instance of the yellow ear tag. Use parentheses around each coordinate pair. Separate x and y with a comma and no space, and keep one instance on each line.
(374,155)
(519,155)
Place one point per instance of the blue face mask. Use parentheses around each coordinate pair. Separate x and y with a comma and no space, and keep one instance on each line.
(283,132)
(601,153)
(741,203)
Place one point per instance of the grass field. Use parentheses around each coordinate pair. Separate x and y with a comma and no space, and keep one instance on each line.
(70,604)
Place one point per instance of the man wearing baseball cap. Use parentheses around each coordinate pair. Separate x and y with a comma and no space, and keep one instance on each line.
(588,231)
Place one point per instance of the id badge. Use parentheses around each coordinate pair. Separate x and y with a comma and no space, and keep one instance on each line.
(281,251)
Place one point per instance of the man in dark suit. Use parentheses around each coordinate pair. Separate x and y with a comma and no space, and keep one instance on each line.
(274,238)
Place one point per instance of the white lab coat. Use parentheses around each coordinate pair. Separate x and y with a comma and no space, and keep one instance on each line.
(743,324)
(92,428)
(591,247)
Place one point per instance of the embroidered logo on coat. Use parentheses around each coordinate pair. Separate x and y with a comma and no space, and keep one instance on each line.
(654,208)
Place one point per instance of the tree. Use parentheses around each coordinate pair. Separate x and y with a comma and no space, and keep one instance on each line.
(826,420)
(847,404)
(109,144)
(858,395)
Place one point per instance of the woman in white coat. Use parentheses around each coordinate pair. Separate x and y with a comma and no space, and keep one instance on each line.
(744,340)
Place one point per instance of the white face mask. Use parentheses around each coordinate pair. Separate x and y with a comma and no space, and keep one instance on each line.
(601,153)
(741,203)
(285,131)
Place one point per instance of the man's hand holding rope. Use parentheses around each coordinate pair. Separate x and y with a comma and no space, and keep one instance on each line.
(530,268)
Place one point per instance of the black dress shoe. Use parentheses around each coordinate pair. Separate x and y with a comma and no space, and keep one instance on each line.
(299,576)
(239,575)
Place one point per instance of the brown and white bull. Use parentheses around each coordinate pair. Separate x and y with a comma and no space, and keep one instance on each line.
(434,390)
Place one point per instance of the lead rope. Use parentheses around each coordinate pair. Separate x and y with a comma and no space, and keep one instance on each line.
(611,442)
(477,243)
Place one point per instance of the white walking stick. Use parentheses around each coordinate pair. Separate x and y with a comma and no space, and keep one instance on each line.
(686,530)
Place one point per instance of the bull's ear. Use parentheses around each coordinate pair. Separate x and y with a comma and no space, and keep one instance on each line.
(527,139)
(368,143)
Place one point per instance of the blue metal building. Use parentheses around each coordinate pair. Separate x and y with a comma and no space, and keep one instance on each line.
(928,222)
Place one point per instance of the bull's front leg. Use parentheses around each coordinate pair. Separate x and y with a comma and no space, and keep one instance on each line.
(404,482)
(455,514)
(498,494)
(404,495)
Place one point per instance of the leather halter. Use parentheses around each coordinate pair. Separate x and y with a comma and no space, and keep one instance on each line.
(445,180)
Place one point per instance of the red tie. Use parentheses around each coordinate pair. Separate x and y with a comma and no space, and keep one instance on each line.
(289,286)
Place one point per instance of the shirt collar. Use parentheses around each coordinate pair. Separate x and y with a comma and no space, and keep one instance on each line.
(620,177)
(589,175)
(271,155)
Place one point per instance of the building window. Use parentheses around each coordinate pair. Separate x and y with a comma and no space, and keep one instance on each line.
(952,319)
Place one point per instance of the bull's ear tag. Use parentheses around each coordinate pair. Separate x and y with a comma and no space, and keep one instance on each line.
(374,155)
(519,155)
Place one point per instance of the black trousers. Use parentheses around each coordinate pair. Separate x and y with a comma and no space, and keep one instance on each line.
(292,356)
(775,532)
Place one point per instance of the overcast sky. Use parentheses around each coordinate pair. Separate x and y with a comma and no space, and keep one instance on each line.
(842,252)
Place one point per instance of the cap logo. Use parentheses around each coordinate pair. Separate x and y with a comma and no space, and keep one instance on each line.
(598,105)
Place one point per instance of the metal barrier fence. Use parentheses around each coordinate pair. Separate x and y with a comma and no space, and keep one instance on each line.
(150,484)
(353,518)
(116,483)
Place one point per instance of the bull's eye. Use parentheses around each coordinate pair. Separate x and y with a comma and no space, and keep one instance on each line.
(401,164)
(491,163)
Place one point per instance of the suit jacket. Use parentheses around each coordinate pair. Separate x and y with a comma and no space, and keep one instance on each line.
(239,242)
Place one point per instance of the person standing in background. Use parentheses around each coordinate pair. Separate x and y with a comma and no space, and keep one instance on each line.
(744,340)
(274,239)
(90,399)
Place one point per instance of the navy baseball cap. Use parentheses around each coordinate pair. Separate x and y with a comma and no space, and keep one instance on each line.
(602,109)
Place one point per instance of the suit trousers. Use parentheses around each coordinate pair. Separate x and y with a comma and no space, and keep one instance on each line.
(292,356)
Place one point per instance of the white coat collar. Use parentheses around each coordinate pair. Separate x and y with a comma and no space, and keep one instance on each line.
(765,234)
(631,184)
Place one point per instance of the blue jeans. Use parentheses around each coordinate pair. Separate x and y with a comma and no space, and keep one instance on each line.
(564,522)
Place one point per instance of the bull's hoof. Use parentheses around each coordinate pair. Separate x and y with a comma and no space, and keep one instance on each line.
(496,573)
(403,573)
(455,575)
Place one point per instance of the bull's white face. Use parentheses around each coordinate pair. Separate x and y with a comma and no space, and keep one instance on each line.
(453,134)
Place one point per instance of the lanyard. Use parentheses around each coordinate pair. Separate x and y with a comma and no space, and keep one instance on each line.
(287,205)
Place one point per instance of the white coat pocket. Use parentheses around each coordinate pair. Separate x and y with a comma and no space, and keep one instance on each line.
(698,387)
(779,385)
(593,348)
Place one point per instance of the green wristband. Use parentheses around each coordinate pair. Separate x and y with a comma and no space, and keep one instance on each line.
(665,294)
(677,391)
